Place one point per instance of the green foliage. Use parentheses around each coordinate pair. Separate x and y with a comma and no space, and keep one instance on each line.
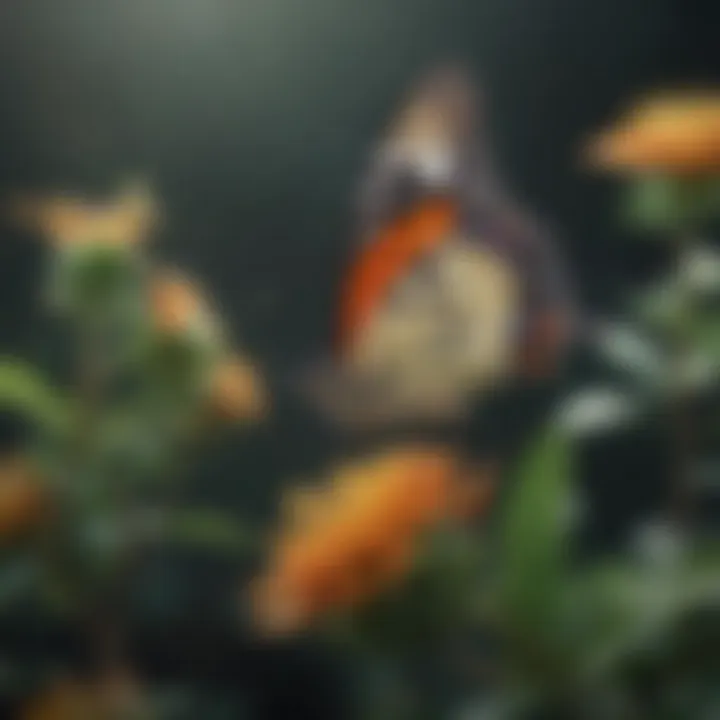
(117,439)
(633,609)
(96,281)
(25,391)
(569,632)
(177,368)
(667,203)
(435,601)
(535,537)
(607,617)
(705,334)
(595,410)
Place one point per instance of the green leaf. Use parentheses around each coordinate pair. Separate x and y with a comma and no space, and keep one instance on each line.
(671,204)
(96,279)
(700,269)
(629,349)
(534,537)
(597,410)
(660,306)
(706,336)
(708,198)
(138,444)
(24,390)
(653,203)
(631,609)
(179,367)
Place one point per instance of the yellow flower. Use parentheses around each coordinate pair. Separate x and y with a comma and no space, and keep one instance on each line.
(71,221)
(66,700)
(22,500)
(237,390)
(178,305)
(676,133)
(235,387)
(343,544)
(113,696)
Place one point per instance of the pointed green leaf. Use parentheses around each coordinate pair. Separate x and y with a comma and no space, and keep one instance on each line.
(24,390)
(535,530)
(629,349)
(597,410)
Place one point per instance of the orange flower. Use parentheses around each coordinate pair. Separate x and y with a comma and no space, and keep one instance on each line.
(178,305)
(113,696)
(344,543)
(66,700)
(22,501)
(676,133)
(72,221)
(237,391)
(235,387)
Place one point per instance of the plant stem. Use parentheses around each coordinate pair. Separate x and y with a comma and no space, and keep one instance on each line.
(681,415)
(91,381)
(100,614)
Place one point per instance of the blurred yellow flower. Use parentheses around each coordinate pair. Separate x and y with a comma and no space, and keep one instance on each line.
(22,500)
(71,221)
(177,304)
(344,543)
(66,700)
(676,133)
(111,697)
(237,390)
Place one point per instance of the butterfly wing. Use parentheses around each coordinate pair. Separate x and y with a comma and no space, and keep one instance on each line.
(446,328)
(449,291)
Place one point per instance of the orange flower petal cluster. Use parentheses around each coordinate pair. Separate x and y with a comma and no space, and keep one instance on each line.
(177,304)
(65,700)
(72,221)
(676,133)
(236,388)
(109,697)
(346,542)
(22,500)
(237,391)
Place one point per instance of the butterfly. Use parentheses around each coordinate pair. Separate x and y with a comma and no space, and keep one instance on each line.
(452,288)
